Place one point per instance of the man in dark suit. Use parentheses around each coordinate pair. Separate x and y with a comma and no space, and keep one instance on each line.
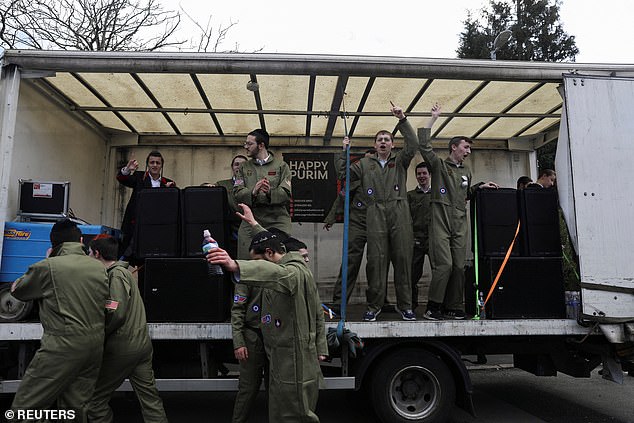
(129,176)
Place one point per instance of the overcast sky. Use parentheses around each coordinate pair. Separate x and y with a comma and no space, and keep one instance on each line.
(417,28)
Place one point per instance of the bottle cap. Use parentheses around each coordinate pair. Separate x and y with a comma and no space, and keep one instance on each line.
(206,233)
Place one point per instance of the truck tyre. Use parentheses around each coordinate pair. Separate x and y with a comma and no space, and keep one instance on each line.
(12,309)
(412,385)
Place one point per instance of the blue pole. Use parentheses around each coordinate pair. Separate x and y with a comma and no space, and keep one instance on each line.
(346,221)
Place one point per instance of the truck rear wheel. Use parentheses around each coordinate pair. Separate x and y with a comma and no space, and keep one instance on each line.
(12,309)
(413,385)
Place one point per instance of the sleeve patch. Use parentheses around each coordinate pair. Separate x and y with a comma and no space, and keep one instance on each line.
(112,305)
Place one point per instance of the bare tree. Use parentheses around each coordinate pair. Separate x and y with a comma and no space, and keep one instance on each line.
(100,25)
(209,39)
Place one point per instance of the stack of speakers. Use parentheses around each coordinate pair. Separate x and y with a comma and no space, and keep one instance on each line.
(531,284)
(168,236)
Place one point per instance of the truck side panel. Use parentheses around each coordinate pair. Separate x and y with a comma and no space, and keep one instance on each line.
(600,128)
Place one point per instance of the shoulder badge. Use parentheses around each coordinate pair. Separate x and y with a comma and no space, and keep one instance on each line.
(239,299)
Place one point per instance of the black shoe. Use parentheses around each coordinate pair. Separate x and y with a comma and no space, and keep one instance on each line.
(432,314)
(454,314)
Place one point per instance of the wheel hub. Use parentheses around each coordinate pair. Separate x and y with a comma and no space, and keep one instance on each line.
(415,392)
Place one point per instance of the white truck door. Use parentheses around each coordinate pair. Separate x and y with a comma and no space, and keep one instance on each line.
(595,176)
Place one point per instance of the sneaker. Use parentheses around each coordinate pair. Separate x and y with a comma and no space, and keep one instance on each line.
(370,316)
(432,314)
(454,314)
(407,314)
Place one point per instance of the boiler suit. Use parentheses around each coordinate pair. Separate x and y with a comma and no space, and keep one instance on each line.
(421,218)
(271,209)
(388,221)
(246,332)
(448,233)
(71,289)
(127,351)
(294,334)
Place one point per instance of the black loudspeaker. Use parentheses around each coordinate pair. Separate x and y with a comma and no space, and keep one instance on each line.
(497,218)
(157,232)
(529,288)
(181,290)
(540,219)
(203,208)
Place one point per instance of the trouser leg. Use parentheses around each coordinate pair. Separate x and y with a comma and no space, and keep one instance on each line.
(454,295)
(440,255)
(144,385)
(66,376)
(114,369)
(401,241)
(378,257)
(418,262)
(252,372)
(356,245)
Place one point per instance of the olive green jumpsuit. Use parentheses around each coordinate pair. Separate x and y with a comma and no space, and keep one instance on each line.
(127,352)
(245,329)
(71,290)
(388,221)
(421,217)
(294,334)
(271,209)
(448,233)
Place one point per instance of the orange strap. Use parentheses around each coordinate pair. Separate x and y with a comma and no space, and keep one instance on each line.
(506,259)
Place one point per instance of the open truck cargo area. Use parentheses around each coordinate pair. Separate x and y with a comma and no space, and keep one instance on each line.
(79,116)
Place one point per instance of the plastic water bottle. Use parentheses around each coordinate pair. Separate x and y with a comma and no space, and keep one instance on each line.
(576,305)
(483,314)
(208,244)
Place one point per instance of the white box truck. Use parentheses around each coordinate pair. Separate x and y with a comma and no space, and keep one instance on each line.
(77,116)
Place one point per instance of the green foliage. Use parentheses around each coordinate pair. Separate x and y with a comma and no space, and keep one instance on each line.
(546,156)
(537,33)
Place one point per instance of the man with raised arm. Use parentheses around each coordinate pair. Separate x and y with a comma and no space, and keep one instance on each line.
(383,180)
(448,233)
(292,324)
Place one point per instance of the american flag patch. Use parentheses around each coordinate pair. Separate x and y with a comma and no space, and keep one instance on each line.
(112,305)
(239,299)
